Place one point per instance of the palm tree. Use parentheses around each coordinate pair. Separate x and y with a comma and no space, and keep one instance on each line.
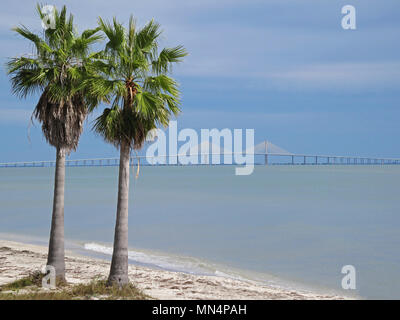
(56,70)
(144,96)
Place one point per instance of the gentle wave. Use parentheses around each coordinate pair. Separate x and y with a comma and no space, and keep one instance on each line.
(165,262)
(197,266)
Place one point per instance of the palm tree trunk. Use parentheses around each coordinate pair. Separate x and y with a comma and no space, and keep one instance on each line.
(119,264)
(55,257)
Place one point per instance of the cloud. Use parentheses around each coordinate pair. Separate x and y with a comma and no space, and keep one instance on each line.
(213,118)
(279,44)
(343,76)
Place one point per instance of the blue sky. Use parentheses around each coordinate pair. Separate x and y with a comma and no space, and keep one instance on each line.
(283,67)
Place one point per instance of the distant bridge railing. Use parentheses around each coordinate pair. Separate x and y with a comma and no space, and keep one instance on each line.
(284,159)
(304,159)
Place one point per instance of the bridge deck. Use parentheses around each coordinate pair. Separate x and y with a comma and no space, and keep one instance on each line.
(284,159)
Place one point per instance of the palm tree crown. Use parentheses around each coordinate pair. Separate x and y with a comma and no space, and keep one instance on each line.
(56,70)
(135,77)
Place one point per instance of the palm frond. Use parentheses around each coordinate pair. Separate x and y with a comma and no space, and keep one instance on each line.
(146,38)
(115,34)
(167,57)
(131,31)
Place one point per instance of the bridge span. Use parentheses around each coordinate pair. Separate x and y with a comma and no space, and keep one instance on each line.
(260,159)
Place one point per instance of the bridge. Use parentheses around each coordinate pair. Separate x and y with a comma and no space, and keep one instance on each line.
(265,153)
(269,159)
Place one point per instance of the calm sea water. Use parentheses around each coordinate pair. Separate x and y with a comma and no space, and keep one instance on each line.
(285,225)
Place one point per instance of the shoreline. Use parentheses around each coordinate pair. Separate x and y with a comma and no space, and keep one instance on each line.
(18,259)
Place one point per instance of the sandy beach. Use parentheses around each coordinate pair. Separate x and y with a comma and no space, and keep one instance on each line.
(18,260)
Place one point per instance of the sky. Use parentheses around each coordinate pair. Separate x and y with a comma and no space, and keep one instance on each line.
(285,68)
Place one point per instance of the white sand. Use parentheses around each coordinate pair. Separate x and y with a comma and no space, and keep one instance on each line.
(19,259)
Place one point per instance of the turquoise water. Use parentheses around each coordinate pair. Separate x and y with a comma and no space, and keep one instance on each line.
(286,225)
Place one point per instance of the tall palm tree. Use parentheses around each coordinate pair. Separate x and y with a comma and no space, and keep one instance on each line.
(56,70)
(136,79)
